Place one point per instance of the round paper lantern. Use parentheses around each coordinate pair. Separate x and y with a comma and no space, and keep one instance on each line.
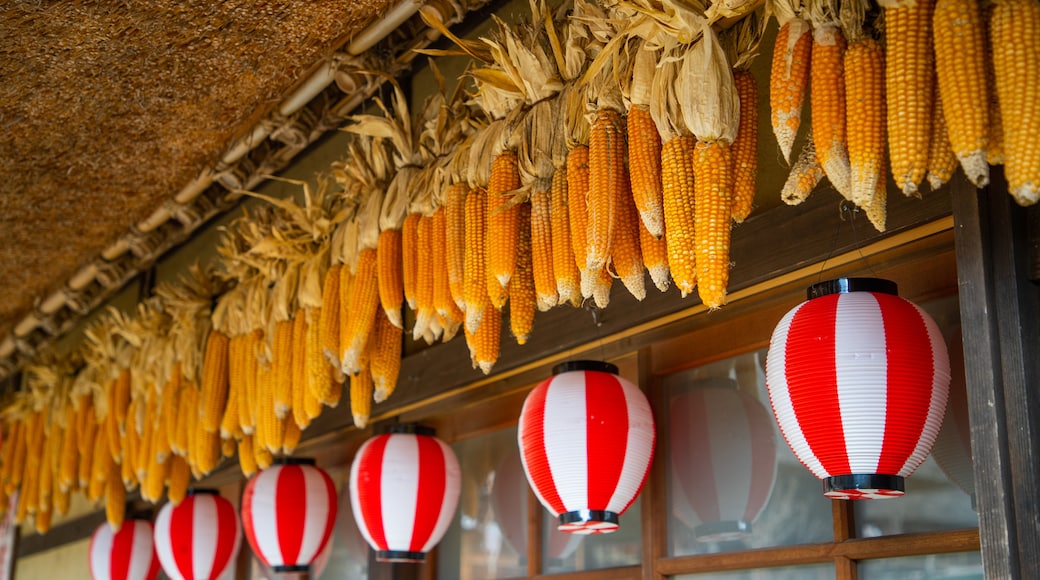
(723,455)
(507,495)
(128,554)
(288,511)
(404,488)
(586,439)
(198,538)
(858,378)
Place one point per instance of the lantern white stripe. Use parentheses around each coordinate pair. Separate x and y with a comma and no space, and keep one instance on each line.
(940,395)
(780,396)
(860,360)
(265,513)
(101,554)
(568,464)
(139,567)
(637,454)
(317,501)
(204,534)
(399,490)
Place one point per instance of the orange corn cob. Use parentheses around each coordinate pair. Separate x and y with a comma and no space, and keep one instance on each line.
(909,74)
(577,192)
(361,391)
(328,324)
(443,302)
(677,172)
(655,258)
(207,452)
(213,394)
(607,152)
(282,367)
(301,369)
(625,253)
(502,232)
(745,146)
(230,422)
(410,252)
(542,251)
(68,463)
(455,240)
(246,456)
(522,294)
(644,158)
(942,162)
(711,166)
(292,436)
(262,457)
(319,372)
(180,479)
(111,423)
(87,438)
(98,470)
(362,307)
(959,39)
(865,117)
(805,175)
(425,310)
(475,280)
(876,210)
(115,498)
(391,285)
(788,79)
(385,357)
(484,344)
(254,342)
(827,98)
(565,270)
(1015,37)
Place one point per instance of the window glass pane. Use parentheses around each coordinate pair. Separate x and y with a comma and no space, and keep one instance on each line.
(733,483)
(488,538)
(939,495)
(563,552)
(811,572)
(959,566)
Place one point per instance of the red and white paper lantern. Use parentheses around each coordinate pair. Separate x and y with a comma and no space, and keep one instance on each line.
(288,511)
(128,554)
(858,378)
(198,538)
(723,456)
(404,488)
(586,439)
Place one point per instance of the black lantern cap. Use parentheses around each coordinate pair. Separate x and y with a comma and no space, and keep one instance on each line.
(840,485)
(288,569)
(411,429)
(846,285)
(585,365)
(579,516)
(202,491)
(293,461)
(400,556)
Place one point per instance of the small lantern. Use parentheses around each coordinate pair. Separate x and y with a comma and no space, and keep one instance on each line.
(404,488)
(198,538)
(128,554)
(586,439)
(288,511)
(858,378)
(723,455)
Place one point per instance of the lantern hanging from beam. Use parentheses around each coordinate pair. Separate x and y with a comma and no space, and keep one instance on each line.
(288,511)
(127,554)
(198,538)
(858,378)
(404,488)
(723,457)
(586,439)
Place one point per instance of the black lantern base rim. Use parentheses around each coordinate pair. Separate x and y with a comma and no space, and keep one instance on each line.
(588,522)
(863,486)
(287,568)
(293,461)
(585,365)
(400,556)
(846,285)
(202,491)
(411,429)
(724,531)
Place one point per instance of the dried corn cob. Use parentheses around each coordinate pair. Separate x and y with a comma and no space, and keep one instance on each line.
(346,293)
(251,369)
(448,313)
(876,210)
(111,424)
(291,438)
(677,173)
(246,457)
(425,310)
(745,147)
(98,468)
(143,457)
(959,39)
(909,74)
(577,192)
(155,480)
(410,251)
(484,344)
(13,446)
(87,439)
(827,98)
(362,307)
(301,371)
(644,153)
(328,324)
(282,366)
(180,479)
(475,271)
(788,79)
(391,285)
(207,452)
(625,253)
(655,258)
(385,357)
(565,270)
(262,456)
(230,422)
(865,117)
(455,241)
(500,244)
(213,392)
(1015,38)
(115,498)
(711,166)
(522,295)
(361,391)
(542,251)
(607,152)
(805,175)
(187,406)
(942,162)
(68,462)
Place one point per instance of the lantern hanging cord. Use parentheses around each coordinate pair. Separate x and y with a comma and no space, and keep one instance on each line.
(846,213)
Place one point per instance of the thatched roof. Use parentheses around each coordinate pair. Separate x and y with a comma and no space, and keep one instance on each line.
(110,109)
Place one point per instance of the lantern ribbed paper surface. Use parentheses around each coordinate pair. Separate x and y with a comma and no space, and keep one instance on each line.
(404,488)
(723,455)
(586,439)
(288,511)
(128,554)
(198,538)
(858,379)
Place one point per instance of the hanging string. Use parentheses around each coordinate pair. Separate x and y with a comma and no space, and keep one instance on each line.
(847,212)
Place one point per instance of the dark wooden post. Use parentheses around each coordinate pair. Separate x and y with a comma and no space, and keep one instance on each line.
(999,322)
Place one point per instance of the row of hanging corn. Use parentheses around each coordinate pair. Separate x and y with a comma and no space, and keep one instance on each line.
(951,82)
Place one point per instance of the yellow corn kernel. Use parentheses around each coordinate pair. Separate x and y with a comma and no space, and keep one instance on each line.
(827,99)
(292,436)
(909,74)
(262,456)
(625,253)
(942,162)
(542,251)
(207,452)
(364,301)
(346,295)
(607,152)
(677,178)
(391,286)
(361,392)
(385,357)
(99,467)
(115,498)
(282,366)
(1014,28)
(483,345)
(69,460)
(865,117)
(246,456)
(475,294)
(298,380)
(317,374)
(655,257)
(328,324)
(960,53)
(227,446)
(410,252)
(788,79)
(155,480)
(336,393)
(455,240)
(565,269)
(448,313)
(250,368)
(500,244)
(745,147)
(711,166)
(425,310)
(522,297)
(805,175)
(644,154)
(180,479)
(213,397)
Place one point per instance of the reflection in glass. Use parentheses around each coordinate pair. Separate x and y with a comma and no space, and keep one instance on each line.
(952,450)
(347,553)
(728,463)
(811,572)
(620,548)
(958,566)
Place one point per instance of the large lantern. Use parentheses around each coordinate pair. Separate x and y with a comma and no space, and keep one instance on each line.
(404,488)
(723,456)
(288,511)
(586,439)
(128,554)
(858,378)
(198,538)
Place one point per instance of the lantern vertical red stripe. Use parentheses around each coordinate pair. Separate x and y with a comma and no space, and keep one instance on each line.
(431,477)
(607,434)
(369,507)
(228,536)
(183,551)
(287,492)
(128,554)
(536,460)
(122,544)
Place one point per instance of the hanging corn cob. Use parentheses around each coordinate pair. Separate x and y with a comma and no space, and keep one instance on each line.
(742,42)
(385,357)
(522,295)
(789,74)
(805,175)
(484,343)
(644,144)
(827,95)
(942,162)
(475,270)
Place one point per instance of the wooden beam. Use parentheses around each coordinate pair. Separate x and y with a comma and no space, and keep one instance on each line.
(999,314)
